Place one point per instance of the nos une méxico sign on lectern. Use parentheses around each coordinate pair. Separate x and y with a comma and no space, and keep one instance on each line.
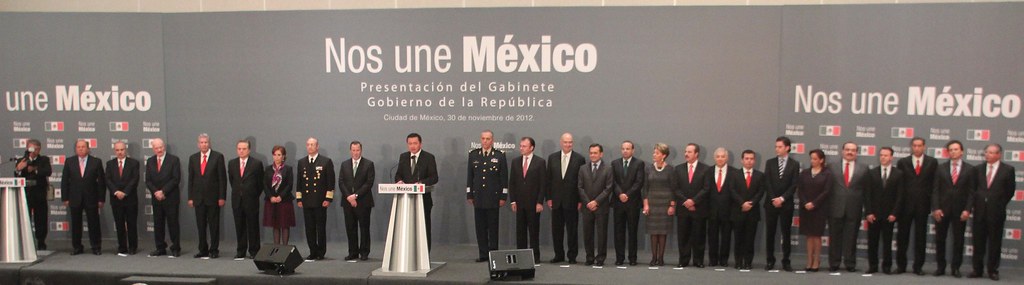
(16,239)
(406,253)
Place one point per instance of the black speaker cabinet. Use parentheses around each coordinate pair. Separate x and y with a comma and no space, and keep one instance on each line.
(514,264)
(280,259)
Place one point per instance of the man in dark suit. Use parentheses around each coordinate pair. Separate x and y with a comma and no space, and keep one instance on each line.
(355,181)
(781,172)
(36,170)
(996,186)
(163,173)
(526,193)
(954,187)
(246,176)
(627,202)
(722,182)
(207,191)
(122,176)
(564,199)
(595,190)
(418,166)
(919,175)
(314,192)
(846,210)
(745,215)
(883,197)
(82,189)
(692,219)
(486,189)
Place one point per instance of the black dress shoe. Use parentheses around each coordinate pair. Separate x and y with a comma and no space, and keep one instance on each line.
(320,257)
(477,260)
(712,263)
(833,269)
(787,268)
(214,255)
(41,246)
(311,257)
(133,251)
(956,273)
(887,271)
(769,266)
(239,255)
(974,274)
(572,261)
(175,253)
(994,276)
(871,271)
(599,263)
(201,255)
(157,253)
(632,263)
(900,271)
(557,260)
(698,265)
(363,257)
(589,263)
(353,257)
(77,251)
(851,269)
(618,263)
(939,272)
(918,272)
(96,251)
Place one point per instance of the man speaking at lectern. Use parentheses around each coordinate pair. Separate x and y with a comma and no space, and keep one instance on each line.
(418,167)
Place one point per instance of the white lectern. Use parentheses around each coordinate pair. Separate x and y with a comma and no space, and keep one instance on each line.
(405,253)
(16,238)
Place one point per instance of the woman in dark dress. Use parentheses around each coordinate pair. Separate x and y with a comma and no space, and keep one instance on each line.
(813,188)
(278,211)
(658,203)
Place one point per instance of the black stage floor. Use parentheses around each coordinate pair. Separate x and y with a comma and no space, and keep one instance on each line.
(108,268)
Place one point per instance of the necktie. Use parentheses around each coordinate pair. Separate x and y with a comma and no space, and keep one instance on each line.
(885,176)
(593,167)
(159,162)
(846,175)
(991,172)
(917,166)
(691,173)
(956,172)
(241,170)
(718,181)
(565,164)
(625,167)
(311,160)
(355,167)
(782,167)
(120,167)
(412,159)
(81,165)
(202,166)
(748,178)
(526,165)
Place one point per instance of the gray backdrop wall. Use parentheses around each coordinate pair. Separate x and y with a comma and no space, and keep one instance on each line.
(717,76)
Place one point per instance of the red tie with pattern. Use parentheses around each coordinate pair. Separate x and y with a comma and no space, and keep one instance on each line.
(202,166)
(719,180)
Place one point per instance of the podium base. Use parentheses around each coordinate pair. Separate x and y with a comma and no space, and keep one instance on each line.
(434,266)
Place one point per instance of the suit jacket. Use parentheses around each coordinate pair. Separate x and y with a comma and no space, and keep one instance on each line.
(40,176)
(530,190)
(205,188)
(425,172)
(951,198)
(629,182)
(127,182)
(166,180)
(245,189)
(848,201)
(359,184)
(884,198)
(783,187)
(596,185)
(83,191)
(758,186)
(562,191)
(919,186)
(696,190)
(990,202)
(722,201)
(487,178)
(314,182)
(284,189)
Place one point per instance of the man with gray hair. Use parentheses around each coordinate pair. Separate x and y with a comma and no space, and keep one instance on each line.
(207,191)
(36,170)
(163,174)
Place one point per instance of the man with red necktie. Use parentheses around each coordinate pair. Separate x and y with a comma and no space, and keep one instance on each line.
(846,208)
(207,192)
